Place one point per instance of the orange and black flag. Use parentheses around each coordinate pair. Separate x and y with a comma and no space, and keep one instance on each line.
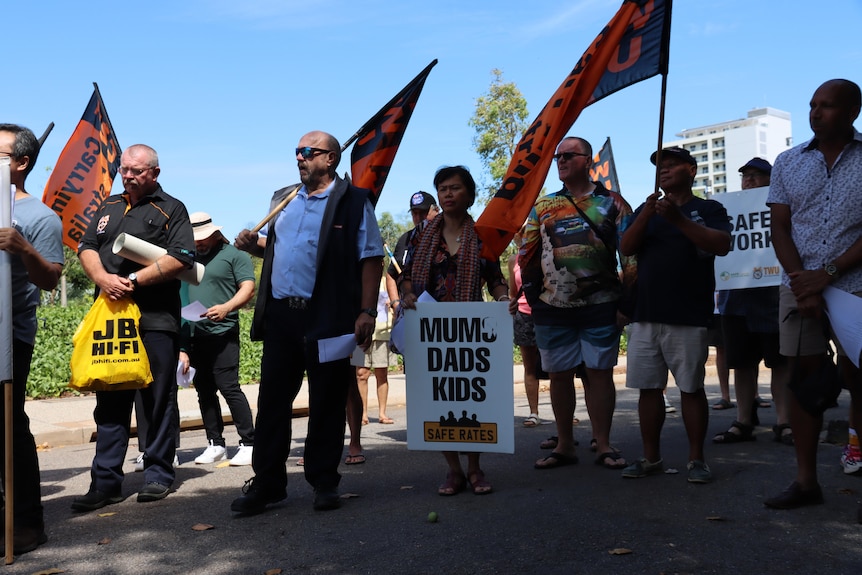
(604,170)
(84,172)
(378,140)
(632,47)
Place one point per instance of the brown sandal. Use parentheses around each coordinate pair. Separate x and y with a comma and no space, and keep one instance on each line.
(479,484)
(453,485)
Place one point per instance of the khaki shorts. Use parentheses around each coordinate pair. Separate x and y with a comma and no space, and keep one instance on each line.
(813,339)
(378,355)
(655,348)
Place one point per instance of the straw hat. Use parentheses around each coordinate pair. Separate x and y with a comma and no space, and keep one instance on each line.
(202,225)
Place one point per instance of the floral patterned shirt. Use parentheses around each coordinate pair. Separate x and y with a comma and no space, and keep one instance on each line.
(825,204)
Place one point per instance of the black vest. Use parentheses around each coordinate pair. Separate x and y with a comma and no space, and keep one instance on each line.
(337,297)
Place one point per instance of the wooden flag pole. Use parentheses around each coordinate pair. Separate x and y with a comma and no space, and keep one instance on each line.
(281,205)
(287,199)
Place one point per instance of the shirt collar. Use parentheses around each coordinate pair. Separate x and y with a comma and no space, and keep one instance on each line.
(813,143)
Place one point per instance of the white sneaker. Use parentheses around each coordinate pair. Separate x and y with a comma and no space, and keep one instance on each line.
(243,455)
(139,462)
(212,454)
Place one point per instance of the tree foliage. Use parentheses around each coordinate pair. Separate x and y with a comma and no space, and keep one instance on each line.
(500,120)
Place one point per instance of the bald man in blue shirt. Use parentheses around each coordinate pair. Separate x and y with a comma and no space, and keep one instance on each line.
(322,263)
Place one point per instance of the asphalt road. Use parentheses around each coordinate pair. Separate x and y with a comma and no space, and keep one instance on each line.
(567,520)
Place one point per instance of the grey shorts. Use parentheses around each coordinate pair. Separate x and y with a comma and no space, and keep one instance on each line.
(656,348)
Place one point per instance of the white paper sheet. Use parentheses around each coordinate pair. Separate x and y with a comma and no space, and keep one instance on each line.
(185,379)
(845,315)
(334,348)
(193,311)
(396,335)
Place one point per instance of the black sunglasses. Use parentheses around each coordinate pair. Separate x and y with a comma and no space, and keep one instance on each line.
(569,155)
(308,152)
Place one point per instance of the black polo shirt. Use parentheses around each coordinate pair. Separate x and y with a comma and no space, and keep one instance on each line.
(159,219)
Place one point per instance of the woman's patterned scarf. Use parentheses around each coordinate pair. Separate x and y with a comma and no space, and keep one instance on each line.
(468,285)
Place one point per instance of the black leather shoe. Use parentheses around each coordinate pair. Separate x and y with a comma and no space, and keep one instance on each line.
(95,499)
(255,499)
(153,492)
(794,496)
(326,499)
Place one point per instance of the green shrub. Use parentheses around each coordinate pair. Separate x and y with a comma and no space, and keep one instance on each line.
(250,352)
(49,370)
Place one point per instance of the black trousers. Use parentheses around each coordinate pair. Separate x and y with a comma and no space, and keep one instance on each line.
(25,462)
(287,356)
(216,359)
(113,415)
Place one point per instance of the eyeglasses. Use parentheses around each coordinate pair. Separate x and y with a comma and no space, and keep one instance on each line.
(308,152)
(124,170)
(569,155)
(8,154)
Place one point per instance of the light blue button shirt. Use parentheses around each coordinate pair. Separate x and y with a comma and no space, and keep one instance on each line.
(294,264)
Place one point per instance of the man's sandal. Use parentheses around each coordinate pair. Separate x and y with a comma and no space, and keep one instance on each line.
(745,434)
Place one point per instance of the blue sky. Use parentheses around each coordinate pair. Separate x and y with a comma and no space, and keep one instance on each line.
(224,90)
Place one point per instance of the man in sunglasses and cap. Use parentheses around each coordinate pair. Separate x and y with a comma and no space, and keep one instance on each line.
(322,262)
(675,239)
(211,343)
(423,207)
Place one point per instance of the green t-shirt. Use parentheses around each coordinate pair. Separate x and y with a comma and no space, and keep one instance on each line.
(226,268)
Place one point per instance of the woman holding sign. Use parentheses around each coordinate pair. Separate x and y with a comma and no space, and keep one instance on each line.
(444,261)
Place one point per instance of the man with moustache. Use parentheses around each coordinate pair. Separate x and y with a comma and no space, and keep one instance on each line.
(322,262)
(145,211)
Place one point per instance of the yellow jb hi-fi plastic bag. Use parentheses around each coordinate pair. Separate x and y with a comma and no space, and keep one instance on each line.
(108,351)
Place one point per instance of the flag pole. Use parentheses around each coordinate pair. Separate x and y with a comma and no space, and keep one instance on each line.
(660,132)
(360,133)
(6,368)
(44,136)
(613,166)
(392,257)
(376,117)
(281,205)
(664,65)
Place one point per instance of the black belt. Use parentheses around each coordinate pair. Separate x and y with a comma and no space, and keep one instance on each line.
(295,302)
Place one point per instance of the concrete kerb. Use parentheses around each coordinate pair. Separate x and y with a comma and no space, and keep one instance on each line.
(69,420)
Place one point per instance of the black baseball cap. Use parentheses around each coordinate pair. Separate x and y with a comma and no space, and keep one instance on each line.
(422,201)
(676,152)
(758,164)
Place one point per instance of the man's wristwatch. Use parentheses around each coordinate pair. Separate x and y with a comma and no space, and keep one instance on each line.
(831,269)
(133,277)
(370,311)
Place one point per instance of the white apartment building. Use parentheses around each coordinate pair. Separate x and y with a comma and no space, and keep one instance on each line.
(721,149)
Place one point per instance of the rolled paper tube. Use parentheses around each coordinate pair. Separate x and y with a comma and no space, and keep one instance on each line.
(145,253)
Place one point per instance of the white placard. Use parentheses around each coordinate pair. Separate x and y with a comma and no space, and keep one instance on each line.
(460,388)
(845,316)
(752,261)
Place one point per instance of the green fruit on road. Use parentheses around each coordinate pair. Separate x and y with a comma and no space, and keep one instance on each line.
(432,517)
